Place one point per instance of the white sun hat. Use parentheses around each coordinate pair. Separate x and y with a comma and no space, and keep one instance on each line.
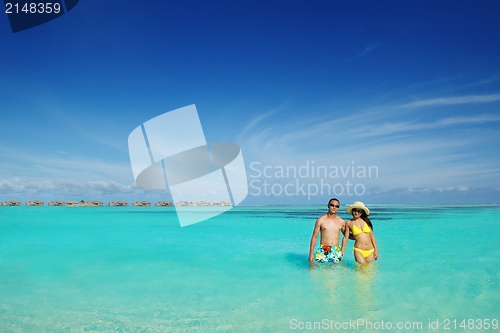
(359,205)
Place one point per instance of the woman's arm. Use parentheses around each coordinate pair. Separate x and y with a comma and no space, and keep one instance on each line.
(374,243)
(349,223)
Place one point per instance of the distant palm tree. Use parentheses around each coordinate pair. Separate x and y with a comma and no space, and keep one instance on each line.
(82,201)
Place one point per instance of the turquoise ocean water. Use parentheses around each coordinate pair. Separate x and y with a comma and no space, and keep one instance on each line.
(133,269)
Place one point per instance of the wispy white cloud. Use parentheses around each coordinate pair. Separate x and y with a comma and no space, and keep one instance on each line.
(469,120)
(62,176)
(25,189)
(293,135)
(36,185)
(61,166)
(490,193)
(408,126)
(482,82)
(472,99)
(252,124)
(7,186)
(377,121)
(367,50)
(102,132)
(408,150)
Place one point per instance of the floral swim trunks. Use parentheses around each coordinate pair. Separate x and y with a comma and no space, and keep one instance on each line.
(326,253)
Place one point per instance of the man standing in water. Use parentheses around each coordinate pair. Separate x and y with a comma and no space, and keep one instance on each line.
(329,227)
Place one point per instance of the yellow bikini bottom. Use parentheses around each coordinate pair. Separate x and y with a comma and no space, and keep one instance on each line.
(364,253)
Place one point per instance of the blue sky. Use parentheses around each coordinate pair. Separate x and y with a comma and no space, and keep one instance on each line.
(409,87)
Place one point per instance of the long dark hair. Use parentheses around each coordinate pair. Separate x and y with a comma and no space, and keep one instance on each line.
(366,219)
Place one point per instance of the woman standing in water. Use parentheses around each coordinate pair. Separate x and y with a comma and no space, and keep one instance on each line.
(365,246)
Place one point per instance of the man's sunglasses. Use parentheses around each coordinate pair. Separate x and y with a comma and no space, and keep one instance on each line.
(332,205)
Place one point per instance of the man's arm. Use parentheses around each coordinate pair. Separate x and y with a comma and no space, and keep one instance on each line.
(314,238)
(345,239)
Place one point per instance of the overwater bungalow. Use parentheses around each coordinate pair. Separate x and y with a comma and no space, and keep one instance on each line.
(34,203)
(163,203)
(141,203)
(11,203)
(118,203)
(57,203)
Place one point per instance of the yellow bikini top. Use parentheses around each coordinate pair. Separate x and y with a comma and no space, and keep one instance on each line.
(356,231)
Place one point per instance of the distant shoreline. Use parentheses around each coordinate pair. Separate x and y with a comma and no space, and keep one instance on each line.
(271,205)
(116,203)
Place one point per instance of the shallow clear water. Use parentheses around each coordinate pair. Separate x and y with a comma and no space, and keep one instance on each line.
(133,269)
